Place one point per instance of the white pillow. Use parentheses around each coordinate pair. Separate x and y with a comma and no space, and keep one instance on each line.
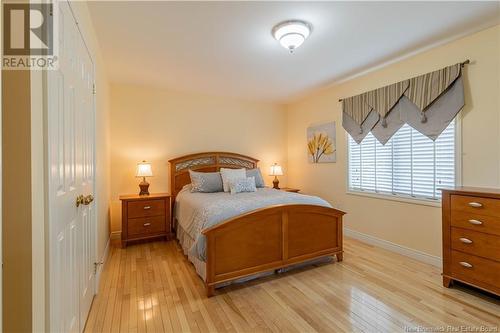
(230,175)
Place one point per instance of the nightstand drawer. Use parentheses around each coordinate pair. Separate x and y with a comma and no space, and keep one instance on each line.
(475,205)
(477,243)
(146,208)
(469,268)
(146,225)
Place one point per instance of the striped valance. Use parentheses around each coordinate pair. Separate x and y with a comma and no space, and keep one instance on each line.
(427,102)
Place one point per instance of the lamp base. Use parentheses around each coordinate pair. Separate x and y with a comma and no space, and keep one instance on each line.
(276,183)
(144,186)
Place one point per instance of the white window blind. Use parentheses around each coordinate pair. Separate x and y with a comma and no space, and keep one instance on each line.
(409,165)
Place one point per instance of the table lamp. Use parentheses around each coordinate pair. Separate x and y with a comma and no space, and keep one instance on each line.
(276,171)
(144,170)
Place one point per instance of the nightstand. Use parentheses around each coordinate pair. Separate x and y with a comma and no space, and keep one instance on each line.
(145,217)
(289,189)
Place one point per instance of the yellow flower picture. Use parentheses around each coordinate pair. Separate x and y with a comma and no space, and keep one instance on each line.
(321,144)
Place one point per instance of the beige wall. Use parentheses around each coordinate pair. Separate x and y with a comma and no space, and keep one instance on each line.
(414,226)
(16,201)
(157,125)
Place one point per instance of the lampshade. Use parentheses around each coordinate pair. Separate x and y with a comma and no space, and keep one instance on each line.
(276,170)
(144,169)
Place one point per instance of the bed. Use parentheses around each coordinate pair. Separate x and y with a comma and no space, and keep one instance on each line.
(230,237)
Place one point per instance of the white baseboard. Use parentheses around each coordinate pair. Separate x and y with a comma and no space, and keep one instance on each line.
(115,235)
(100,268)
(414,254)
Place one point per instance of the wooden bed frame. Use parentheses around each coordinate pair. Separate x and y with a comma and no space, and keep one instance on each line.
(262,240)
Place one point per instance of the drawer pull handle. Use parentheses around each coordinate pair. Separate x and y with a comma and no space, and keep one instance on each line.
(475,222)
(147,207)
(465,240)
(465,264)
(147,224)
(475,204)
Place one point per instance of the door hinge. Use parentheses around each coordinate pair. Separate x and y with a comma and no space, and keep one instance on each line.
(93,88)
(96,265)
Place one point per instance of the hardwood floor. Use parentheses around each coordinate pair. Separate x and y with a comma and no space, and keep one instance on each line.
(152,287)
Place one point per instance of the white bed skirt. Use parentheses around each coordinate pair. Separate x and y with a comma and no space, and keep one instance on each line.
(186,243)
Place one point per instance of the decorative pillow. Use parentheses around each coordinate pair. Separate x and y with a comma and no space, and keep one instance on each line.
(206,182)
(229,175)
(242,185)
(259,181)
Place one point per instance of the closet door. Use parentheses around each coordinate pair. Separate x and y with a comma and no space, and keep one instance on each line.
(70,135)
(87,230)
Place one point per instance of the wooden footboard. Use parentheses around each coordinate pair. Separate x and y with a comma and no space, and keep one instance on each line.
(271,238)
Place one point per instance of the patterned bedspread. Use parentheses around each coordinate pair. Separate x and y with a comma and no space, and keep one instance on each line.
(198,211)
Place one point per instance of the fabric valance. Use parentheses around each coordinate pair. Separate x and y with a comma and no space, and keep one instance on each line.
(427,102)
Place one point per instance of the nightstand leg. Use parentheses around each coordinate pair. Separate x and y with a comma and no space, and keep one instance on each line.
(340,256)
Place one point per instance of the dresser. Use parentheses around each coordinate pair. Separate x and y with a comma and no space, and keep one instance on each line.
(471,237)
(145,217)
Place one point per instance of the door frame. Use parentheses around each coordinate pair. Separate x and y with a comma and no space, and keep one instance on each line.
(39,220)
(97,200)
(1,186)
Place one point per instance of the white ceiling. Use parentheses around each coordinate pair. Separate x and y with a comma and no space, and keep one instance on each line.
(226,48)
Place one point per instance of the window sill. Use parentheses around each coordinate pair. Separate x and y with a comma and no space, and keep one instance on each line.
(423,202)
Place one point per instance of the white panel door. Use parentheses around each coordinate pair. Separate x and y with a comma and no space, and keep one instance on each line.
(86,151)
(70,133)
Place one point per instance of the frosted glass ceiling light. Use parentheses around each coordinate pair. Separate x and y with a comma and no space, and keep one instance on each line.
(291,34)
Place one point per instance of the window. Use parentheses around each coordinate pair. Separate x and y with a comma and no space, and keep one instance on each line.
(409,165)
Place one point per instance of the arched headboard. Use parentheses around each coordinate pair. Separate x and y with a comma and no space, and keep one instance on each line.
(204,162)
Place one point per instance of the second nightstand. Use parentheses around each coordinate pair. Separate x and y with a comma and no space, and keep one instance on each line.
(145,217)
(289,189)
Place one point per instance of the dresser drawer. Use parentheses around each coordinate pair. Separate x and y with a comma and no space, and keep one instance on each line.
(146,225)
(473,269)
(476,222)
(475,205)
(145,208)
(477,243)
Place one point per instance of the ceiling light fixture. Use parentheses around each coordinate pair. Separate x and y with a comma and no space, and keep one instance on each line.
(291,34)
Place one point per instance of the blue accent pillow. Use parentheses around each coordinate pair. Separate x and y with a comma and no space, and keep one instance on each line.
(242,185)
(259,181)
(205,182)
